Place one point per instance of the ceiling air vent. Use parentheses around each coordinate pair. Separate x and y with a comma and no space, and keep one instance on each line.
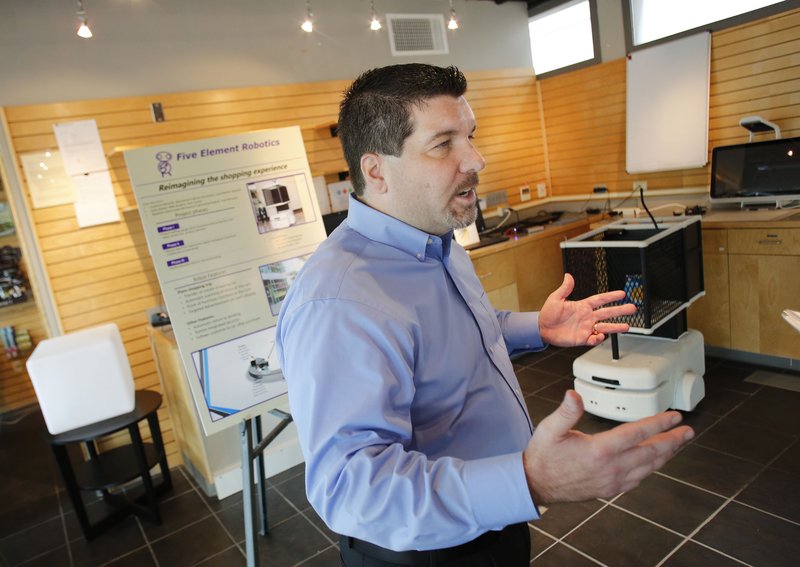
(417,34)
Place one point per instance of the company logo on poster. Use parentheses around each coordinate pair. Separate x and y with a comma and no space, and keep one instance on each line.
(164,165)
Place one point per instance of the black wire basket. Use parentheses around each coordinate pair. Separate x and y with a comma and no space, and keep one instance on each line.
(658,265)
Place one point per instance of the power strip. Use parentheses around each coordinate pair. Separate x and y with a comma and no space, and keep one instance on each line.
(631,212)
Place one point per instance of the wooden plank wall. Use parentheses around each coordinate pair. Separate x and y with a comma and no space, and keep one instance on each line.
(105,274)
(755,69)
(509,133)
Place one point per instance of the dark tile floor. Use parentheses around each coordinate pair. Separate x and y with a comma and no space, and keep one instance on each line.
(729,498)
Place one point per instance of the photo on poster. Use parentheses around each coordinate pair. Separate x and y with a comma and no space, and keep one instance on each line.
(278,277)
(240,373)
(276,202)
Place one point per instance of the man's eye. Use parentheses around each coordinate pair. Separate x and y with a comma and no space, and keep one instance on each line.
(445,144)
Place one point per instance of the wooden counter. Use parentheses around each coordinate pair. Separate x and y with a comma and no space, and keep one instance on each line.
(751,264)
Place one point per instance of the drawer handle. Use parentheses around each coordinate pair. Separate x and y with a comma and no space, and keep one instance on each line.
(486,275)
(770,241)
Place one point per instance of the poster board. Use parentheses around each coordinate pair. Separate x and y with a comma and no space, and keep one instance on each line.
(229,222)
(667,105)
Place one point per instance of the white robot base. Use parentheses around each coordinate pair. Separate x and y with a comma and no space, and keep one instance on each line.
(651,375)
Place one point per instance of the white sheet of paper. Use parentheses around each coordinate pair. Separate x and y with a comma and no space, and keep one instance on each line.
(49,184)
(81,148)
(94,199)
(468,235)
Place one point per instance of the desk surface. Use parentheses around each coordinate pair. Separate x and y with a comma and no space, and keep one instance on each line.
(726,218)
(147,402)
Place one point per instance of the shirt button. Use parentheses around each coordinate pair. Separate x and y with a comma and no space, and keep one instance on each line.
(491,349)
(430,240)
(419,256)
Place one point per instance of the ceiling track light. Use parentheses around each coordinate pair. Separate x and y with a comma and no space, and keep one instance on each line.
(83,30)
(308,24)
(453,23)
(375,23)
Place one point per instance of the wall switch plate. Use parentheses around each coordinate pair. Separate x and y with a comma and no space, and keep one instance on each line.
(524,193)
(157,112)
(541,190)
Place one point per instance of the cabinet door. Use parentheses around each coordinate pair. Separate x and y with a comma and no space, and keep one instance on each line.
(711,313)
(540,268)
(761,287)
(505,298)
(496,272)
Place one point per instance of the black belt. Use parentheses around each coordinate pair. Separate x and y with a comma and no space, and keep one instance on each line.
(419,558)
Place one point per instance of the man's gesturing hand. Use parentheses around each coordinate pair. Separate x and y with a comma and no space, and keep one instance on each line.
(564,465)
(570,323)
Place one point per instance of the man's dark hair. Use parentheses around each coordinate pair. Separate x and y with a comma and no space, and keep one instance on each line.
(375,115)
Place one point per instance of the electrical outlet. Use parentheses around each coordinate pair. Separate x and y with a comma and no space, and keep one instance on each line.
(637,185)
(541,190)
(524,193)
(496,198)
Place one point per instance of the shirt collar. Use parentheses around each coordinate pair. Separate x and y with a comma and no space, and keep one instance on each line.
(386,229)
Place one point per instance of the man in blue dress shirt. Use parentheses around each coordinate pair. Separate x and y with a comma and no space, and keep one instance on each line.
(418,445)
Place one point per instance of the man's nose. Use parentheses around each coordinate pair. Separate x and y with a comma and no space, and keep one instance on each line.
(472,160)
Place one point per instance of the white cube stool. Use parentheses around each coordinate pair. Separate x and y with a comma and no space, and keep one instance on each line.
(82,378)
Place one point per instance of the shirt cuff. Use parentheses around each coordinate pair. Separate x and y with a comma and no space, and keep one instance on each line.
(521,332)
(499,491)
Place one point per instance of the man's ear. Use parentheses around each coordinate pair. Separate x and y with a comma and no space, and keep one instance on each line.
(372,171)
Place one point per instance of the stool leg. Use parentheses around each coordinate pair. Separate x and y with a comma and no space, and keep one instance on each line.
(141,460)
(91,448)
(155,433)
(65,466)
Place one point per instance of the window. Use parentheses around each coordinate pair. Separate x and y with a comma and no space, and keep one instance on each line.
(651,20)
(564,37)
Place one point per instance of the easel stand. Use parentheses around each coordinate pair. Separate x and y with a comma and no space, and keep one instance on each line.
(253,450)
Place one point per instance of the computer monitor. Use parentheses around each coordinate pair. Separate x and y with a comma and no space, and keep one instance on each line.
(756,172)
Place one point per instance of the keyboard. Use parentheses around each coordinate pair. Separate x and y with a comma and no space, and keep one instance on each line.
(543,218)
(486,241)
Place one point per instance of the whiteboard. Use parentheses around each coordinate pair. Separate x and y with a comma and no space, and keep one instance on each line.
(667,105)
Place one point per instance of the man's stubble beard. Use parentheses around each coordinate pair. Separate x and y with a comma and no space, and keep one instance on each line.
(462,218)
